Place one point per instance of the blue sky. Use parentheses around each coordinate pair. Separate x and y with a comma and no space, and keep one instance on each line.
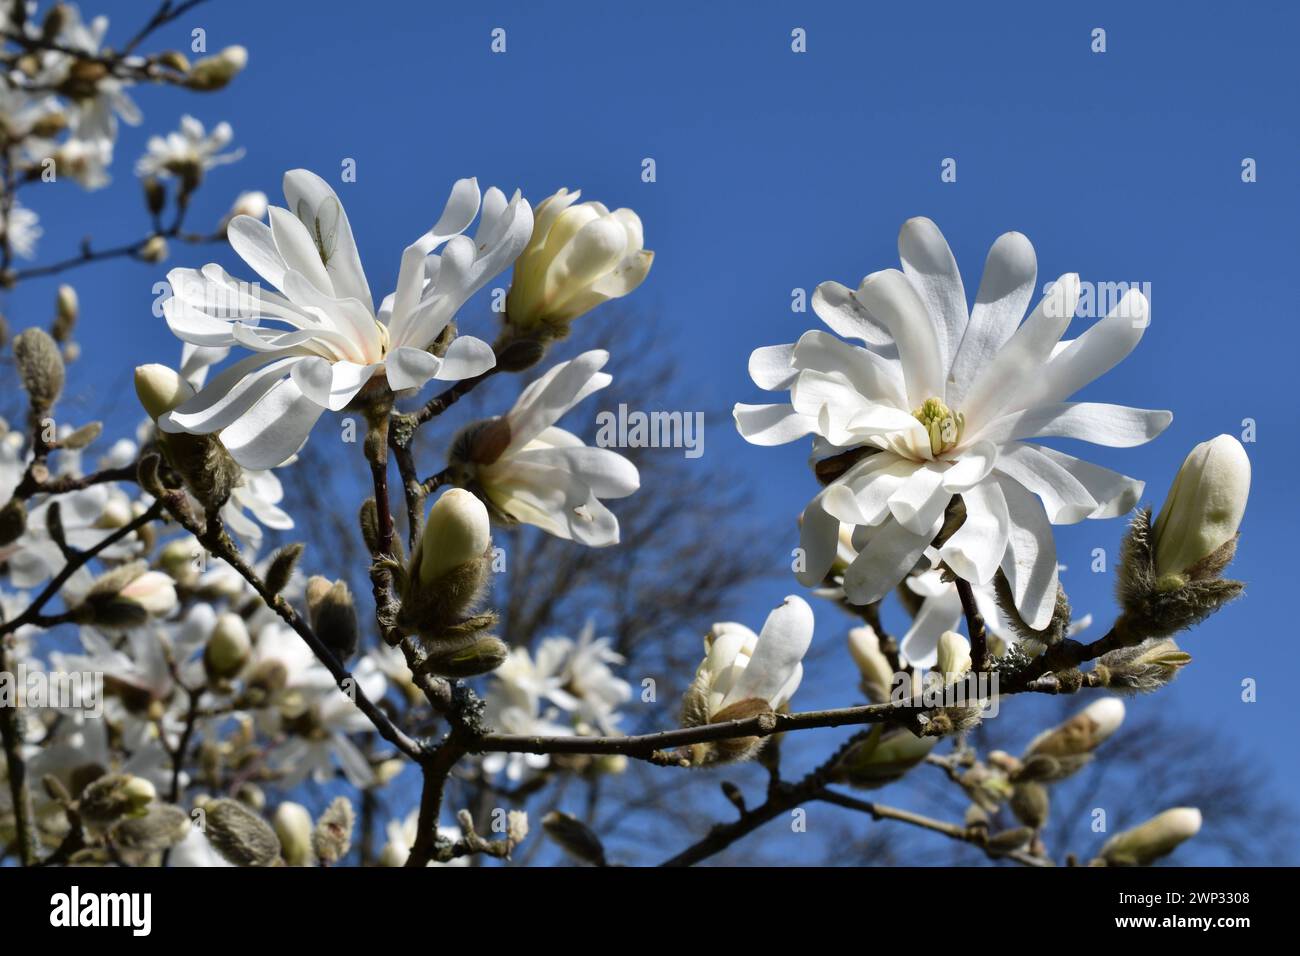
(777,171)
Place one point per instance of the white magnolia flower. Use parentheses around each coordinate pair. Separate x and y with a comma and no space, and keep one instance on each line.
(84,161)
(21,229)
(579,256)
(329,340)
(99,101)
(534,472)
(514,706)
(88,515)
(188,152)
(21,112)
(576,677)
(742,665)
(947,400)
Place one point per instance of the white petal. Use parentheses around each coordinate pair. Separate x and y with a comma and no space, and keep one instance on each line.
(920,500)
(819,540)
(305,191)
(839,307)
(331,385)
(252,240)
(975,549)
(937,614)
(229,395)
(274,429)
(770,367)
(1030,559)
(1010,272)
(771,424)
(971,468)
(1116,426)
(894,300)
(607,473)
(929,264)
(782,644)
(883,560)
(410,368)
(298,250)
(543,402)
(466,357)
(1064,497)
(874,377)
(1116,493)
(1015,369)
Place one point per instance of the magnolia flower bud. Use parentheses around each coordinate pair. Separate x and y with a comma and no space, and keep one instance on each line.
(13,521)
(1082,733)
(153,591)
(954,656)
(333,615)
(877,672)
(239,834)
(179,560)
(113,796)
(40,368)
(293,827)
(160,389)
(457,532)
(332,837)
(1204,507)
(578,256)
(65,314)
(1148,842)
(155,249)
(228,648)
(253,203)
(160,827)
(214,72)
(1030,803)
(1144,668)
(479,656)
(882,757)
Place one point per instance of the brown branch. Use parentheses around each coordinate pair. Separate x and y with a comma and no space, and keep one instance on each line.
(11,730)
(979,653)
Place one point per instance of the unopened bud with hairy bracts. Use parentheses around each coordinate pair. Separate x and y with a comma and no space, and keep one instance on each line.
(127,597)
(882,757)
(1030,803)
(202,461)
(443,585)
(1144,668)
(1157,605)
(877,673)
(66,312)
(1148,842)
(1032,641)
(81,437)
(1081,734)
(215,72)
(280,571)
(574,837)
(40,369)
(1009,841)
(333,615)
(113,796)
(239,834)
(293,827)
(161,827)
(1203,510)
(13,521)
(332,837)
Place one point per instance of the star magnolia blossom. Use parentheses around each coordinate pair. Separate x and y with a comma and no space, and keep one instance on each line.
(742,665)
(265,405)
(946,401)
(534,472)
(188,152)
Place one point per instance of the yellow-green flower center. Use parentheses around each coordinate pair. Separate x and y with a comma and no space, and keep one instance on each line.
(942,423)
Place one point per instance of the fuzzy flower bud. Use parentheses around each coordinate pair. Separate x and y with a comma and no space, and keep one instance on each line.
(575,837)
(882,757)
(333,615)
(40,368)
(228,648)
(1204,507)
(456,533)
(253,203)
(1148,842)
(293,827)
(65,314)
(239,834)
(332,837)
(954,656)
(214,72)
(877,672)
(1082,733)
(160,389)
(579,255)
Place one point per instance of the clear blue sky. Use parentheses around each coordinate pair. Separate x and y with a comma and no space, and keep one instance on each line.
(778,171)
